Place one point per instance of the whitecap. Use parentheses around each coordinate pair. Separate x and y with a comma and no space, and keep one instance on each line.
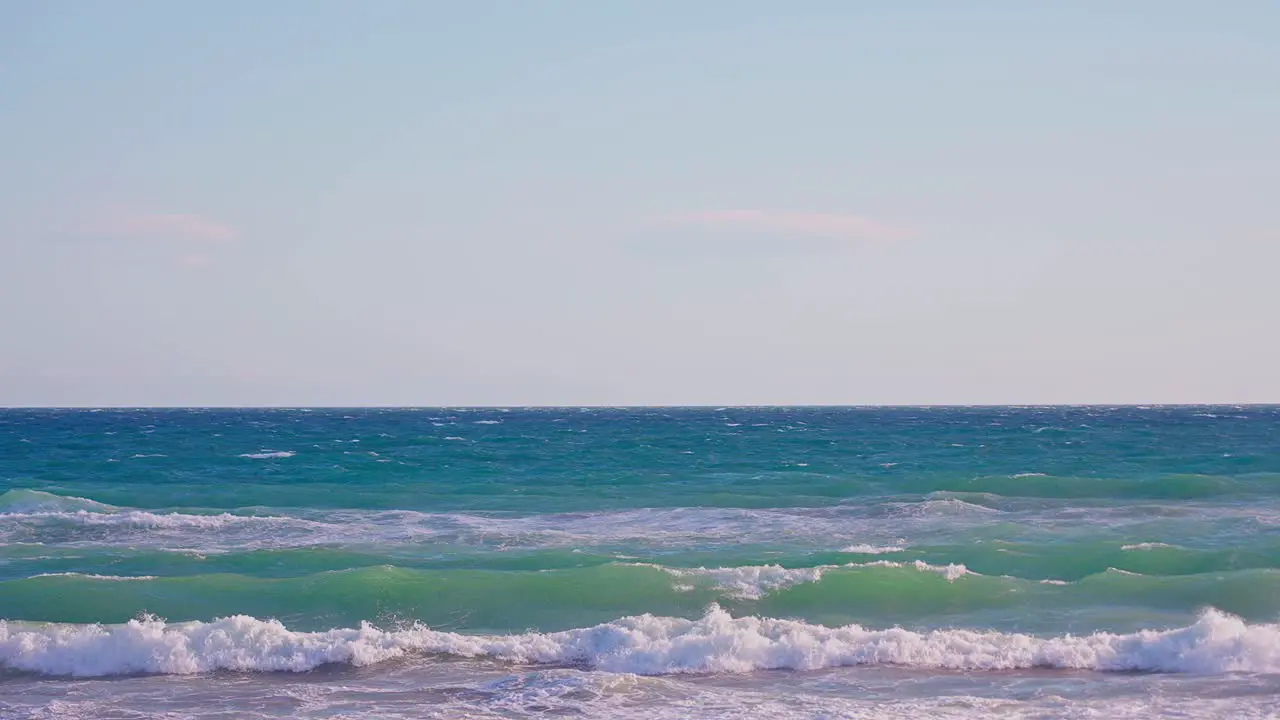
(1146,546)
(645,645)
(94,576)
(753,582)
(872,549)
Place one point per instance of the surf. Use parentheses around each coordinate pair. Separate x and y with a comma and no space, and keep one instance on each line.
(716,642)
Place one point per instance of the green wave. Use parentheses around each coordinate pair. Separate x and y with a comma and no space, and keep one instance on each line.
(1069,561)
(558,599)
(500,600)
(904,596)
(1076,560)
(18,561)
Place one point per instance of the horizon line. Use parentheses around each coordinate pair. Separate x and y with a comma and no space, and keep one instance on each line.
(605,406)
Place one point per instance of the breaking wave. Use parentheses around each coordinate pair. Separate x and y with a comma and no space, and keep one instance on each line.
(645,644)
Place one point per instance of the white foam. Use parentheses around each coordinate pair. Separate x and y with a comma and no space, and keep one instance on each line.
(269,454)
(144,519)
(646,645)
(94,576)
(872,549)
(933,507)
(564,692)
(951,571)
(752,582)
(34,515)
(1146,546)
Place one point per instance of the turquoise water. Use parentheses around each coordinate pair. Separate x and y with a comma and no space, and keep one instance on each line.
(822,562)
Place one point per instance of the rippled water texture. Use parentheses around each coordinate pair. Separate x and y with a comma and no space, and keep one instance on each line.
(730,562)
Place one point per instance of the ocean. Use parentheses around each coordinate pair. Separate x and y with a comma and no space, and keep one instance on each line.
(993,562)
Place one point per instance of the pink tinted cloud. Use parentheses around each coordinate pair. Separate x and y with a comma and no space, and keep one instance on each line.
(791,223)
(182,226)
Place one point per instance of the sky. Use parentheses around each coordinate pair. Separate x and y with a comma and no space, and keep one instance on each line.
(632,202)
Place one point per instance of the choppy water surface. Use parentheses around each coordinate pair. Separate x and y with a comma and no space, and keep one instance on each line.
(762,562)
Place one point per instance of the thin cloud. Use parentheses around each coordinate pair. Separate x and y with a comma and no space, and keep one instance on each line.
(788,223)
(178,226)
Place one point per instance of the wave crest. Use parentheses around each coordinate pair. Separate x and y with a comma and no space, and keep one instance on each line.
(646,645)
(753,582)
(23,504)
(22,501)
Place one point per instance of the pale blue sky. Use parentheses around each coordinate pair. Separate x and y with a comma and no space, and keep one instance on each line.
(483,202)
